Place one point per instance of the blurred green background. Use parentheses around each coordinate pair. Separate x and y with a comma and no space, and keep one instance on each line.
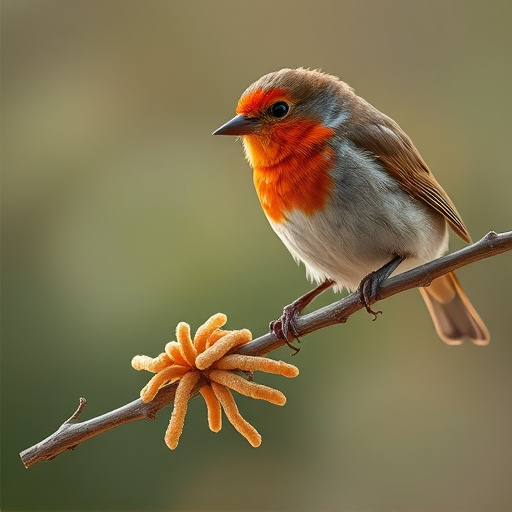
(122,216)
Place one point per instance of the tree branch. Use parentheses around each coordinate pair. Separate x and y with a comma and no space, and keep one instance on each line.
(73,432)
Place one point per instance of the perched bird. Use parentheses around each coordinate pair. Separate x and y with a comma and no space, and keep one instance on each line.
(349,195)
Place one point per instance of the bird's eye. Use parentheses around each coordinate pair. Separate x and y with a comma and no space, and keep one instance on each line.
(279,109)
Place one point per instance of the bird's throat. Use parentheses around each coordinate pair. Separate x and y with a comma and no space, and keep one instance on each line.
(291,168)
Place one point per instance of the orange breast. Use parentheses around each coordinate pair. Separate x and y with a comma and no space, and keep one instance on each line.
(291,167)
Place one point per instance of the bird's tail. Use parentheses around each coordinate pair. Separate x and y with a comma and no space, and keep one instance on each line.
(453,315)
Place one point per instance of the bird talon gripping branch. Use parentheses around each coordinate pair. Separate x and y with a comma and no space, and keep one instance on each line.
(281,329)
(209,357)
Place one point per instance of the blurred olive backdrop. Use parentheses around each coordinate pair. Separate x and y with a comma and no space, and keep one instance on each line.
(122,216)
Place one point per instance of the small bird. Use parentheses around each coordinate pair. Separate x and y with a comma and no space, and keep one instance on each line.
(349,195)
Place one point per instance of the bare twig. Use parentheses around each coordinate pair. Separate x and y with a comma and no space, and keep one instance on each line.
(72,432)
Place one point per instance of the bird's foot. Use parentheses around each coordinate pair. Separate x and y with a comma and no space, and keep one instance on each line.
(371,284)
(285,327)
(368,290)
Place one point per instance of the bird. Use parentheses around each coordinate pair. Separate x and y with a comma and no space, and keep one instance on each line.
(349,195)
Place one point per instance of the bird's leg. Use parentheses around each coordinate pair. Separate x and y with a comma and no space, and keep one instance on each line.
(285,326)
(370,284)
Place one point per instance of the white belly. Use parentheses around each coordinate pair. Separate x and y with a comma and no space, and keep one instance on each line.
(368,220)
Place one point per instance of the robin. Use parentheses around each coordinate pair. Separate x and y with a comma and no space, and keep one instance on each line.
(347,192)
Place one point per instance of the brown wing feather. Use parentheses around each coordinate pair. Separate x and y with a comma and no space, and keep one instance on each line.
(395,151)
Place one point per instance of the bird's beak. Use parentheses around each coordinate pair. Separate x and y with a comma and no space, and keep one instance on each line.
(239,125)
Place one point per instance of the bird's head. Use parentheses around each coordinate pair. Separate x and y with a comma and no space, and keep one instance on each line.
(288,110)
(284,98)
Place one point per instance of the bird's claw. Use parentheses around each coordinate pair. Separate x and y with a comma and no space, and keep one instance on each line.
(370,285)
(368,290)
(285,327)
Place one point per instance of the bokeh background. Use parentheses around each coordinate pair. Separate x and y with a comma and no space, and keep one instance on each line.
(122,216)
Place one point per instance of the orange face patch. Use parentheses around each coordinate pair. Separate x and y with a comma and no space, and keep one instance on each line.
(291,167)
(290,157)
